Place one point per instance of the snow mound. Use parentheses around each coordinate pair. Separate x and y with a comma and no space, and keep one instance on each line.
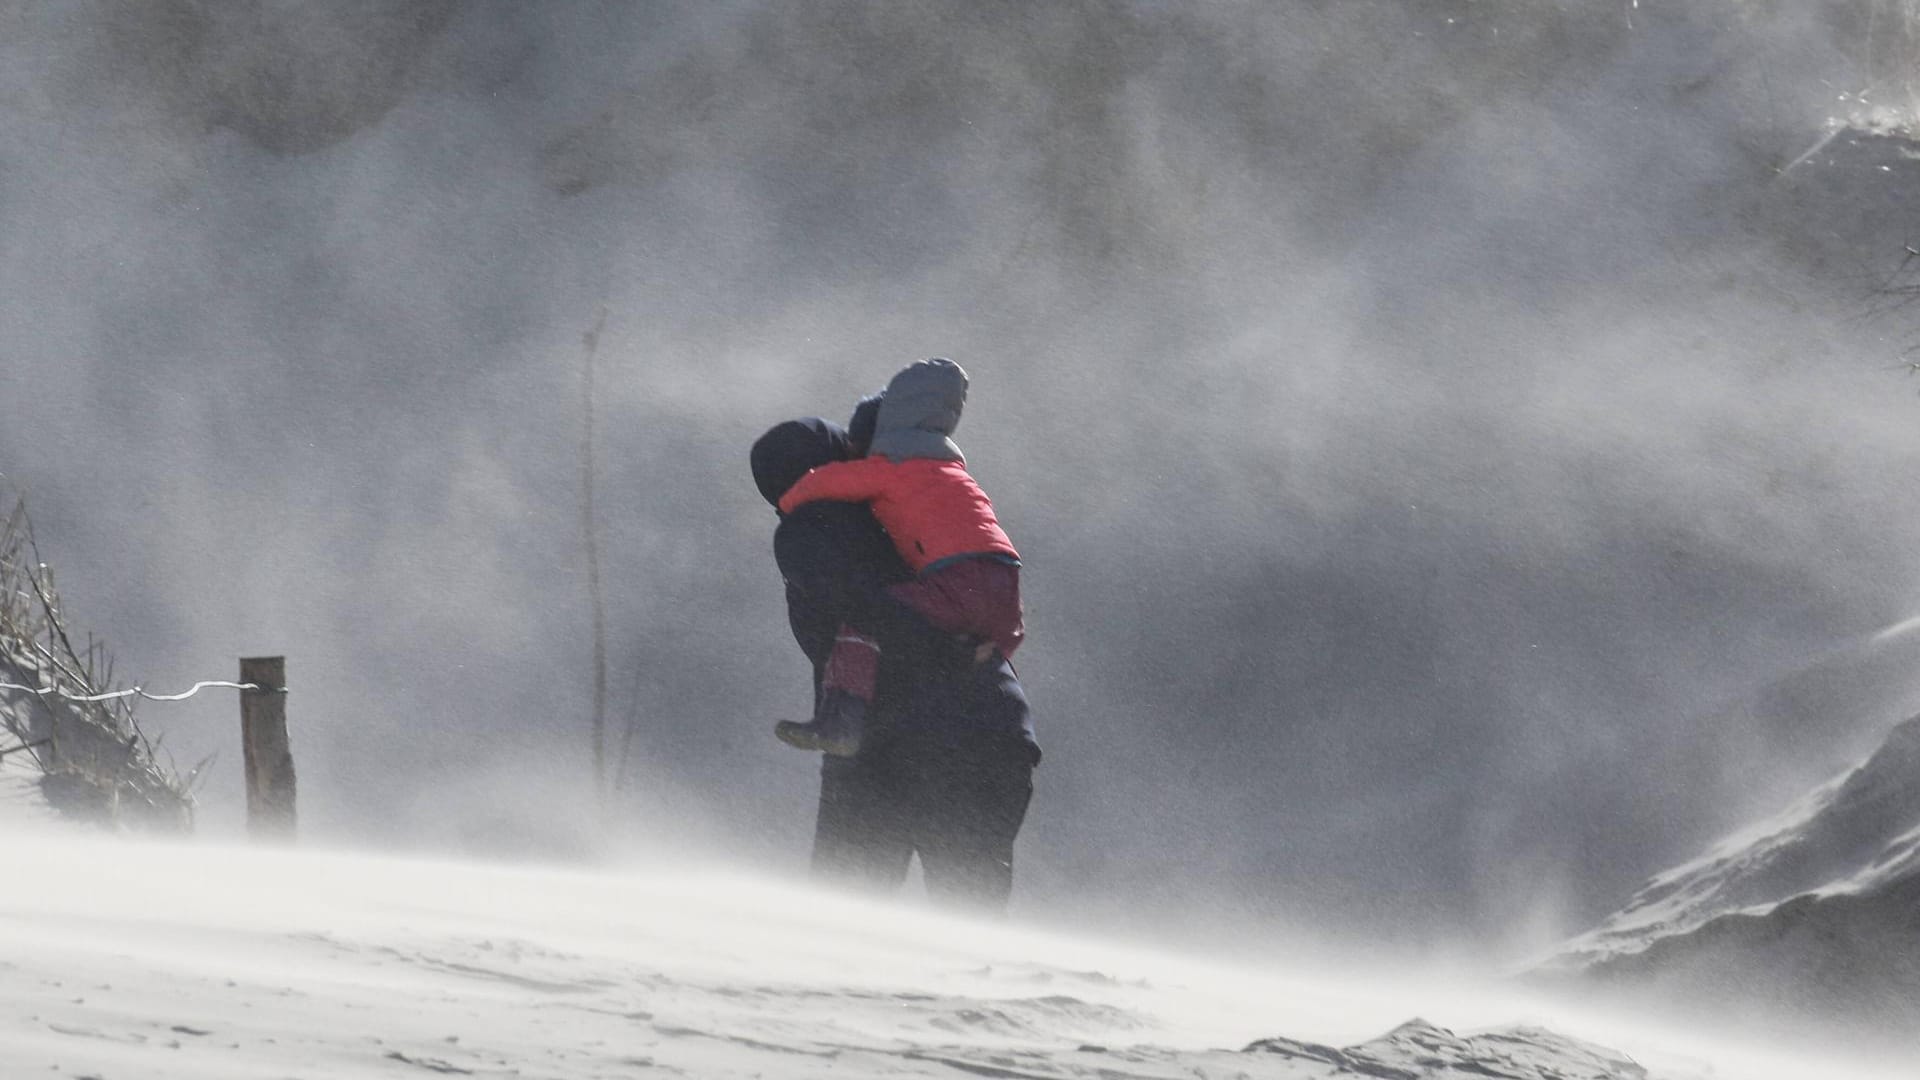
(1420,1049)
(1812,911)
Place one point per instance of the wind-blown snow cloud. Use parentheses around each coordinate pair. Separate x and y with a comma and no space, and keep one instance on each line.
(1412,414)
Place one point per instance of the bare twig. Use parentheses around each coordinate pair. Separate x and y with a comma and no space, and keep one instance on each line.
(36,744)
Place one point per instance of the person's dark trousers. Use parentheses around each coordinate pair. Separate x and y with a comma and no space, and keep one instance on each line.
(960,812)
(966,831)
(861,834)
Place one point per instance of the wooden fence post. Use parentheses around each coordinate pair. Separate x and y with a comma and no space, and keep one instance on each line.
(269,758)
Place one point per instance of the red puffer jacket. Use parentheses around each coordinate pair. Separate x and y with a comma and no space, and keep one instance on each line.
(932,509)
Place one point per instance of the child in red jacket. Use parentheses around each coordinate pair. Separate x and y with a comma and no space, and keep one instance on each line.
(915,481)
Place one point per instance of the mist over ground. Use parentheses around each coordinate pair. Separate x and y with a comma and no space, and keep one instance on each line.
(1419,419)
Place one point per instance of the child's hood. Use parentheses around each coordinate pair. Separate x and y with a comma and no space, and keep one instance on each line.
(920,411)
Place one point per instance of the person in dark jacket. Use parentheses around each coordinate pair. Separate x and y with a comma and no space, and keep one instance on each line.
(945,769)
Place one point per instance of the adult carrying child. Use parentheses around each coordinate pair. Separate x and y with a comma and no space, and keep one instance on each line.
(967,573)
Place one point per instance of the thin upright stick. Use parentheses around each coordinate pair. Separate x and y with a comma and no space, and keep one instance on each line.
(598,602)
(626,737)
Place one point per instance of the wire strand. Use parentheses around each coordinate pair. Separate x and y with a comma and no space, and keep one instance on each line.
(44,691)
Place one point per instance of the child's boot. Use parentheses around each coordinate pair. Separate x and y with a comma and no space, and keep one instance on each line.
(835,729)
(846,689)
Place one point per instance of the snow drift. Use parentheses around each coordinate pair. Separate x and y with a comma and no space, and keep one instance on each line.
(251,963)
(1812,914)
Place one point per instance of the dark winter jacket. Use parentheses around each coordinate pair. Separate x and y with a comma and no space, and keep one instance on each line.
(837,562)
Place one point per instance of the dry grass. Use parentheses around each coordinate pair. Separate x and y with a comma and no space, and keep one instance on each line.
(96,762)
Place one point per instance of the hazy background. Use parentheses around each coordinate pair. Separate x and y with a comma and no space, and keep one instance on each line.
(1421,419)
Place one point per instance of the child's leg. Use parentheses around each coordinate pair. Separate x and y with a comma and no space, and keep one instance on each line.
(846,692)
(974,597)
(978,597)
(854,664)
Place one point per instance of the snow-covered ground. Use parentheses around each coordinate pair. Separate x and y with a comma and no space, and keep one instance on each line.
(148,961)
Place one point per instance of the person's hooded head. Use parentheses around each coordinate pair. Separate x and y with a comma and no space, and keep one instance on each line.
(919,411)
(784,454)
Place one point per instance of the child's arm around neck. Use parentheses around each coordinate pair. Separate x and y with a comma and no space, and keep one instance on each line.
(860,480)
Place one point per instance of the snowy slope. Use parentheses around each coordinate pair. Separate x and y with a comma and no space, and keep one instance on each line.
(1816,910)
(236,963)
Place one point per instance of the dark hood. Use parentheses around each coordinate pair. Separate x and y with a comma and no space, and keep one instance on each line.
(785,453)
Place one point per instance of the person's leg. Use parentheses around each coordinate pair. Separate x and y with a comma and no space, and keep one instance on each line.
(967,816)
(860,837)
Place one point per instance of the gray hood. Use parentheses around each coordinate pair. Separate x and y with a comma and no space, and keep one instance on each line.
(920,410)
